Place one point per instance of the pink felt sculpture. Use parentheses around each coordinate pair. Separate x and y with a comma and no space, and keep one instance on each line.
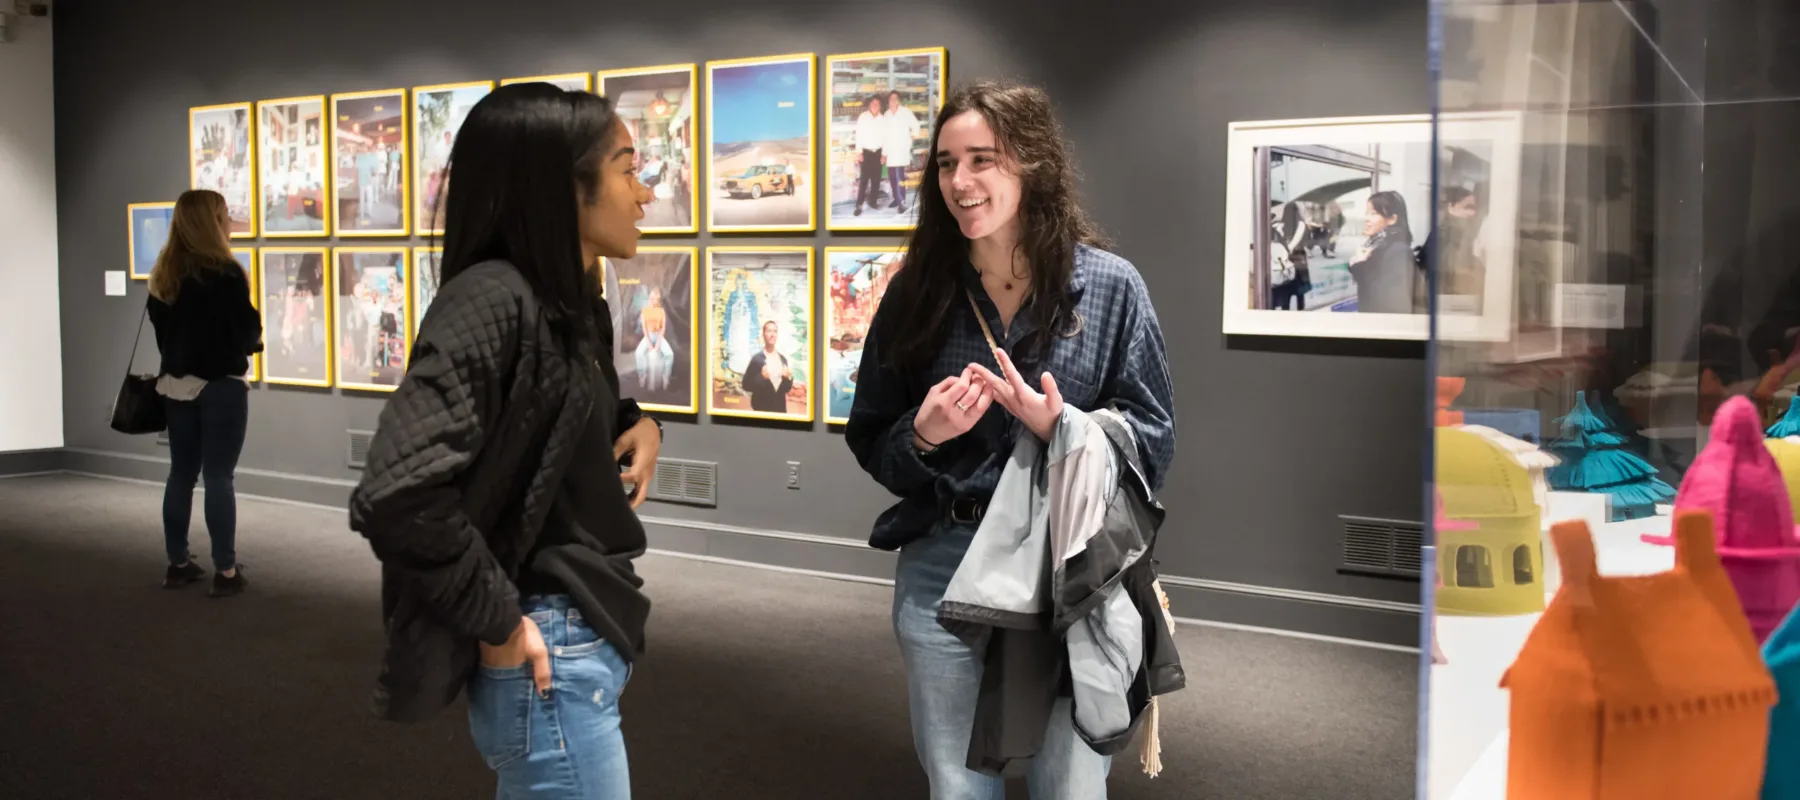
(1737,480)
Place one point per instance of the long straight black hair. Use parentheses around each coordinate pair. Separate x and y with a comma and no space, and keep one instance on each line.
(525,160)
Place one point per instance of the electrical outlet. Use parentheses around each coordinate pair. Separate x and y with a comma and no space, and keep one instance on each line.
(793,474)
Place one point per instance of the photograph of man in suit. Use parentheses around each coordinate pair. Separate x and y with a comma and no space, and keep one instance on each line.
(768,378)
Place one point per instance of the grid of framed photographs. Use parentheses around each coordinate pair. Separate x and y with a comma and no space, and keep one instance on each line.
(734,147)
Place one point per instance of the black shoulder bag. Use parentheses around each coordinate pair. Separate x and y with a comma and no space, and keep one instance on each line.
(138,408)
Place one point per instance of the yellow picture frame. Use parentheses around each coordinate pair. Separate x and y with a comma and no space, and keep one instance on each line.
(562,81)
(827,314)
(404,323)
(254,202)
(330,356)
(829,156)
(404,102)
(713,333)
(806,188)
(131,232)
(246,257)
(421,188)
(263,161)
(416,308)
(692,71)
(694,327)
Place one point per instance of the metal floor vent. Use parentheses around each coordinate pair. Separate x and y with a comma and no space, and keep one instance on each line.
(688,482)
(358,452)
(1382,546)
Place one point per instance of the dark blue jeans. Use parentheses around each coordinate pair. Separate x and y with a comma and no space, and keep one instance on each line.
(206,435)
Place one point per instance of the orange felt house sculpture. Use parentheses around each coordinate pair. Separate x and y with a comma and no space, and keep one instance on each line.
(1642,687)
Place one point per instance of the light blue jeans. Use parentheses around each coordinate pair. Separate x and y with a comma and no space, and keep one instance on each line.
(944,680)
(567,746)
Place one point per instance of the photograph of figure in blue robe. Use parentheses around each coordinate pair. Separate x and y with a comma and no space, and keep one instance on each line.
(761,333)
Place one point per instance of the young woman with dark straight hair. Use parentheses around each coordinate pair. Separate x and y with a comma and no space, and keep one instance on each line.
(207,329)
(493,493)
(1000,235)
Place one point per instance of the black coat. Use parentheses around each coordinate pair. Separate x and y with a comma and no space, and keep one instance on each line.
(211,329)
(468,456)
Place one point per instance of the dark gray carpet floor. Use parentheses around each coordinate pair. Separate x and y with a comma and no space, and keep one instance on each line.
(758,684)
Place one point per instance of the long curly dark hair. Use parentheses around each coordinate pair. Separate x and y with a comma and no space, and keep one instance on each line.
(1052,225)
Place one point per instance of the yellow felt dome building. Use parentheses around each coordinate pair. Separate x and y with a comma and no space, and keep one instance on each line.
(1495,568)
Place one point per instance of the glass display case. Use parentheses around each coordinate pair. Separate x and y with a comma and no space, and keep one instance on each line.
(1650,243)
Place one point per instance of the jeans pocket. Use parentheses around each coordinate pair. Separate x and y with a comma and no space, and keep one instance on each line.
(500,709)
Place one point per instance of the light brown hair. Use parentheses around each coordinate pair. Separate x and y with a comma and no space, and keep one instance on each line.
(198,240)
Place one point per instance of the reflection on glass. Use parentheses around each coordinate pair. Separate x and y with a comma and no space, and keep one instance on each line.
(1653,265)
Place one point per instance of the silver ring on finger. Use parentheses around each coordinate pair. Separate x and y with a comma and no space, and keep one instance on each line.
(962,406)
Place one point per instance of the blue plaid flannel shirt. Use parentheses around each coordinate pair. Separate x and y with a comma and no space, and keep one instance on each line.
(1117,356)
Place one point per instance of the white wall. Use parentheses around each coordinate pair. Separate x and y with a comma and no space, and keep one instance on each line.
(31,412)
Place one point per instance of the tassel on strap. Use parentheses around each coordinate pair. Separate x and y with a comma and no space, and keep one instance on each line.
(1150,752)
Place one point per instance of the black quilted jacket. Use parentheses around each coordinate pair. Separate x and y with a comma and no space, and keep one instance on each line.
(464,466)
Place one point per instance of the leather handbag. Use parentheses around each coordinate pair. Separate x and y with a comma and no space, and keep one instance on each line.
(138,409)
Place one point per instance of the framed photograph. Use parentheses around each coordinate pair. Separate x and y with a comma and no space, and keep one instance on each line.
(294,170)
(759,332)
(653,297)
(296,314)
(879,115)
(373,334)
(657,105)
(759,155)
(426,280)
(370,183)
(438,113)
(246,258)
(1328,223)
(855,280)
(220,158)
(574,81)
(147,232)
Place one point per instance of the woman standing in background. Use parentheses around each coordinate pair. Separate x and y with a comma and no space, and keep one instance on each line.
(1384,267)
(207,329)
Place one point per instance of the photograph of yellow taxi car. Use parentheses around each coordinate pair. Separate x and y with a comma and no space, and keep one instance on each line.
(758,180)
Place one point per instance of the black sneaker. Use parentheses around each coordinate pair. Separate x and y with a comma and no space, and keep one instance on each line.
(228,586)
(176,577)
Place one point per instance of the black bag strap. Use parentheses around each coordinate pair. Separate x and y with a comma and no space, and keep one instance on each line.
(136,335)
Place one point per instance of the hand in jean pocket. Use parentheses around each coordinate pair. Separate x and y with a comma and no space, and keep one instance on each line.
(526,645)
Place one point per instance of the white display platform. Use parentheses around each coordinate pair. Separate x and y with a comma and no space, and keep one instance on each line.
(1466,746)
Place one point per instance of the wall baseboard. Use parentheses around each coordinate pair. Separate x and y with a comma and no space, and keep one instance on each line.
(1311,615)
(25,463)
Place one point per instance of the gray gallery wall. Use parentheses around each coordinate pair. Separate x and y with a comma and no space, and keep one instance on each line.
(1277,438)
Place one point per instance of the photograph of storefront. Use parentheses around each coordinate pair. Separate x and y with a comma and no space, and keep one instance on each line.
(883,108)
(370,158)
(657,106)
